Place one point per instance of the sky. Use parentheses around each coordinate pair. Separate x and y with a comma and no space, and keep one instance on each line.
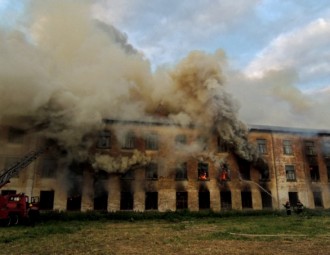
(277,52)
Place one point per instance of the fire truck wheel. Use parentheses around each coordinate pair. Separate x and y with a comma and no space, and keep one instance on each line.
(14,219)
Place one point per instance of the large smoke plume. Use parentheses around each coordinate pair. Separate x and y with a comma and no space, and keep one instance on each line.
(65,71)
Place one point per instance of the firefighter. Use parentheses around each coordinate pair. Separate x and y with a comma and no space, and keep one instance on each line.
(299,207)
(33,215)
(287,206)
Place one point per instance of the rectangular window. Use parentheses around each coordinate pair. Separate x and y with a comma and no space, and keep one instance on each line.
(152,171)
(287,147)
(129,141)
(128,175)
(46,200)
(328,172)
(49,167)
(290,173)
(100,200)
(151,202)
(310,148)
(293,198)
(181,200)
(262,146)
(204,200)
(314,173)
(126,201)
(151,142)
(180,140)
(15,136)
(318,199)
(225,197)
(104,140)
(246,199)
(326,149)
(181,171)
(266,199)
(222,145)
(203,171)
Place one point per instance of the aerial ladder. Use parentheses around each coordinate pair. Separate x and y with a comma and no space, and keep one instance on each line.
(13,170)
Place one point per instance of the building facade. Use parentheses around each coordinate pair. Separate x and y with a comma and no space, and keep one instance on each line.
(179,170)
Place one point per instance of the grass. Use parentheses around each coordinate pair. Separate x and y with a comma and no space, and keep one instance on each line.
(170,233)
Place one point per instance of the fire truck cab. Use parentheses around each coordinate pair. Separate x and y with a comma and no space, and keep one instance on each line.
(16,208)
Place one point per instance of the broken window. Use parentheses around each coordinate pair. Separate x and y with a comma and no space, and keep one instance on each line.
(128,175)
(290,173)
(46,200)
(310,148)
(181,171)
(222,145)
(204,199)
(314,173)
(151,142)
(49,167)
(104,140)
(224,174)
(126,201)
(293,198)
(318,199)
(15,136)
(129,141)
(181,200)
(287,147)
(262,146)
(203,171)
(180,140)
(152,171)
(225,197)
(266,199)
(151,201)
(244,169)
(246,197)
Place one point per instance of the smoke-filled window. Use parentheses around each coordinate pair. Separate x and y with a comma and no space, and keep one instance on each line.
(314,172)
(151,202)
(128,175)
(203,171)
(310,148)
(290,173)
(287,147)
(48,168)
(46,199)
(104,140)
(15,136)
(262,146)
(181,200)
(180,140)
(151,142)
(152,171)
(222,145)
(181,171)
(129,141)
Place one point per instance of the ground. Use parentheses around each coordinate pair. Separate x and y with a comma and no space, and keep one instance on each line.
(234,235)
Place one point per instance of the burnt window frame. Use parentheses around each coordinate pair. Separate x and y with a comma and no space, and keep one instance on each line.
(290,173)
(262,146)
(181,171)
(201,168)
(151,200)
(181,198)
(126,201)
(246,199)
(287,147)
(104,140)
(48,168)
(318,199)
(310,148)
(151,171)
(226,200)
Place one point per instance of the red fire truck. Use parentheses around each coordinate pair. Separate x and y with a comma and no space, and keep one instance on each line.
(18,208)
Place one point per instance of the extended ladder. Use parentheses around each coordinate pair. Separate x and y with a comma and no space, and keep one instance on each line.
(8,173)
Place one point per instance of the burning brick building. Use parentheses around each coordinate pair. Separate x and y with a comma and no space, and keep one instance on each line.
(156,165)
